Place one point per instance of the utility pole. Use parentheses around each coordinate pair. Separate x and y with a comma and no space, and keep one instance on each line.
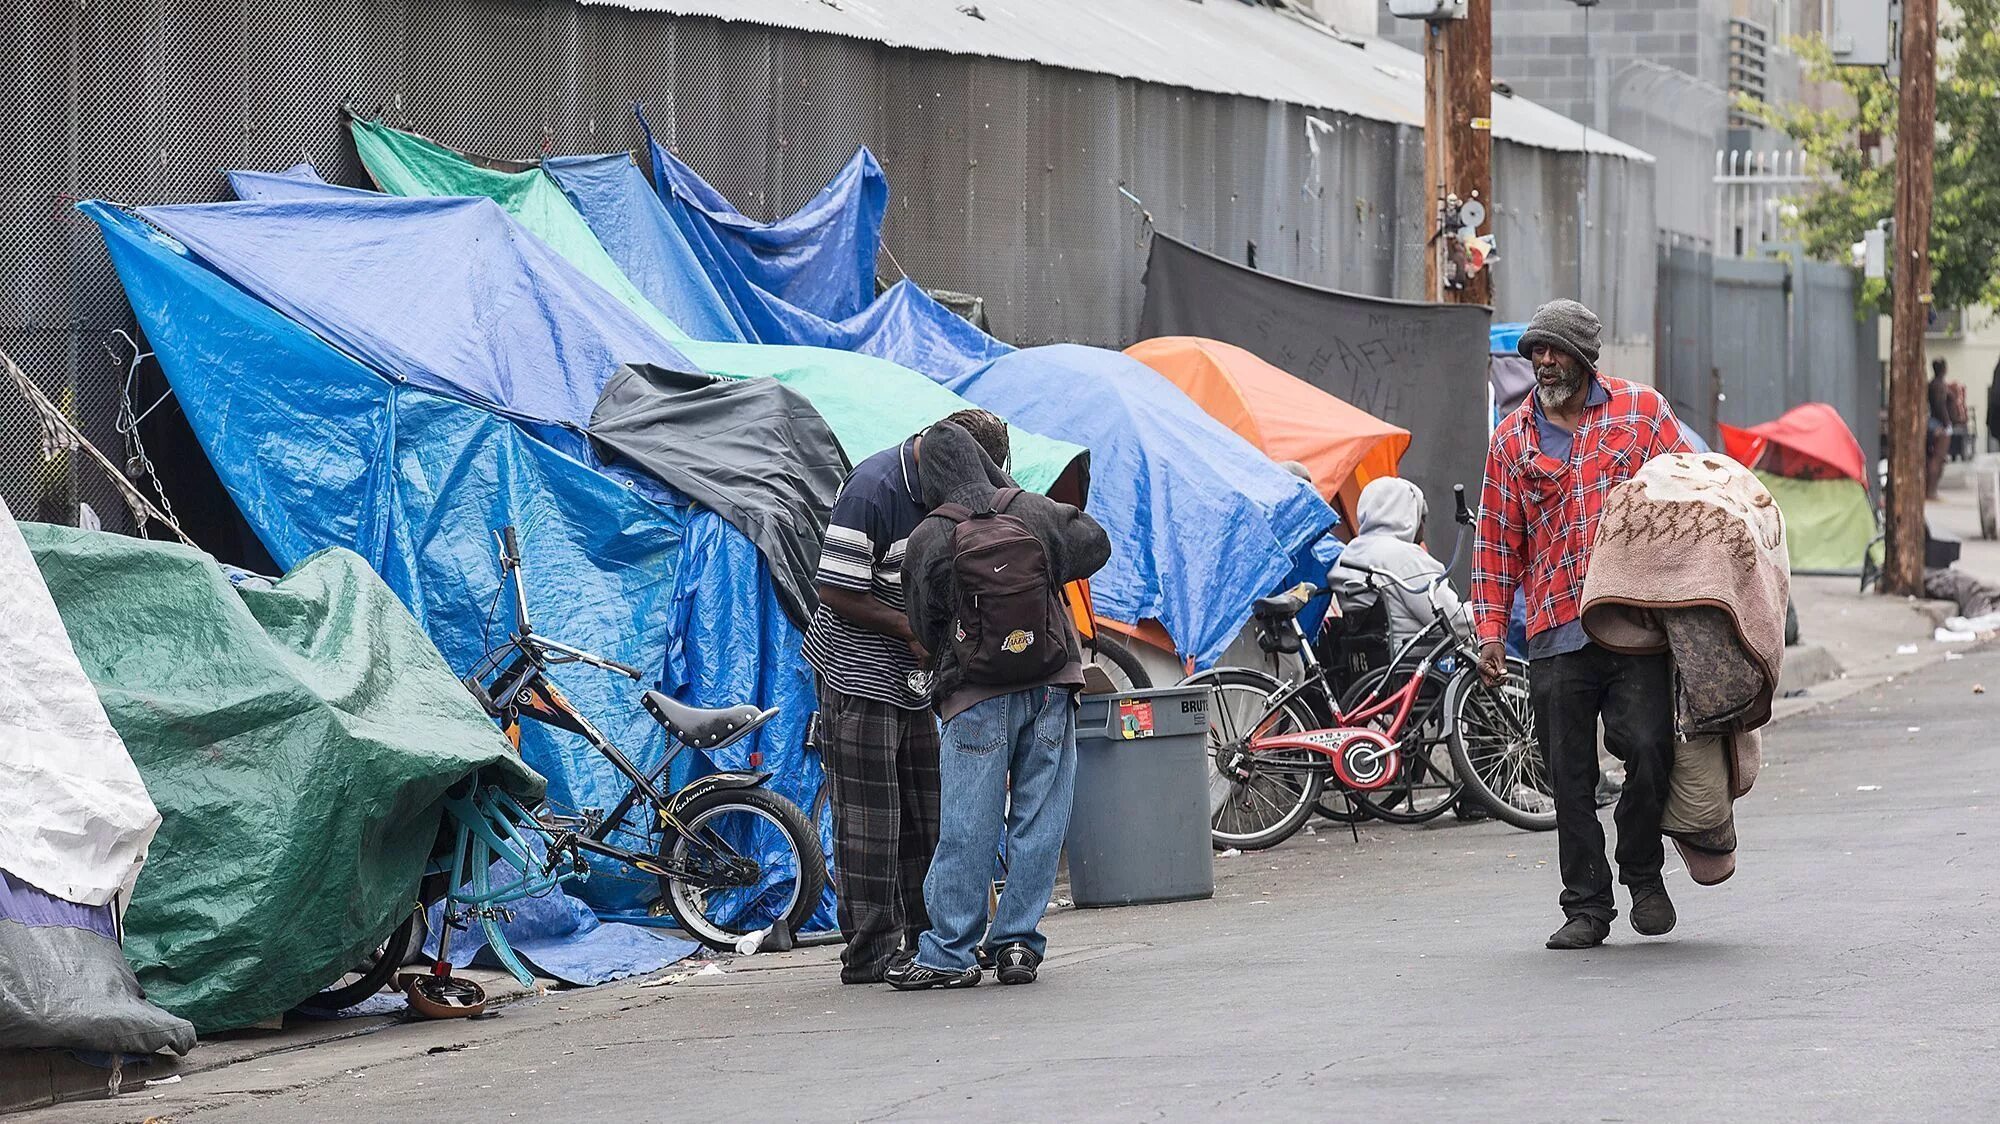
(1458,147)
(1916,116)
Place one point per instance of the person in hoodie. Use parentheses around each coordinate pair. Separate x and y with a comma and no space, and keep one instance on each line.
(1388,537)
(1007,759)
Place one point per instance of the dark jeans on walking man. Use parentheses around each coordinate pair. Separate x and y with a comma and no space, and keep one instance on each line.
(1634,697)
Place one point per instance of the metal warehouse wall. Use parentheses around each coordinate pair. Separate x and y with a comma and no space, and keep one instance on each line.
(1005,175)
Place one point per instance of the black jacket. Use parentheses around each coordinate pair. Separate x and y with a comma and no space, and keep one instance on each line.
(954,469)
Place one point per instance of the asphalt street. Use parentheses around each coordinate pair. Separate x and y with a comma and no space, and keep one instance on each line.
(1846,973)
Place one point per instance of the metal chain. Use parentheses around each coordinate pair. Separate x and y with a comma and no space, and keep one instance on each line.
(59,435)
(137,464)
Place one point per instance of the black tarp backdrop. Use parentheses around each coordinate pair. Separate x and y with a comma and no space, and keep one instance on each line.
(1420,366)
(752,450)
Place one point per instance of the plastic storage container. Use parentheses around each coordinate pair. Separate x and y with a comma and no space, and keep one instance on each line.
(1139,832)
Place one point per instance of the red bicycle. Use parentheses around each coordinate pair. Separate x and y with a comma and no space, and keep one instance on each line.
(1406,741)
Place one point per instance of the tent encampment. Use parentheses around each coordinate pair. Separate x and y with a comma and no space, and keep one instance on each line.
(1815,469)
(1290,419)
(415,481)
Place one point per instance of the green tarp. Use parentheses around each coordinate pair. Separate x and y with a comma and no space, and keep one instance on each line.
(873,404)
(406,164)
(1828,523)
(296,740)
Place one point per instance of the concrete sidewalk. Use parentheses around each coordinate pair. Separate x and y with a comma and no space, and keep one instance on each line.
(1849,640)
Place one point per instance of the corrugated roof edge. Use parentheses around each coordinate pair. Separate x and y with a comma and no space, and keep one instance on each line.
(1231,49)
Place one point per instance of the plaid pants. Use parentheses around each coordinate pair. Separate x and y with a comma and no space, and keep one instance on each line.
(882,764)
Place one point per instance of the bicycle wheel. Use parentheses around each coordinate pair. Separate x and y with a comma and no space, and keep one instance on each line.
(1493,744)
(1121,663)
(738,828)
(1428,783)
(1271,803)
(372,974)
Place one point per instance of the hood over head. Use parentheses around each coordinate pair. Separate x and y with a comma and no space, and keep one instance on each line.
(1390,505)
(953,468)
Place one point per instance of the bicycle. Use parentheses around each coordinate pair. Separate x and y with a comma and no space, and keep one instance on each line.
(1272,769)
(702,842)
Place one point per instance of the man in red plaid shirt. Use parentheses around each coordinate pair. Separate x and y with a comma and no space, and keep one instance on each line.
(1580,434)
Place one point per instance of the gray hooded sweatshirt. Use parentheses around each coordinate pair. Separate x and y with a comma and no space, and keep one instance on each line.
(1387,518)
(953,468)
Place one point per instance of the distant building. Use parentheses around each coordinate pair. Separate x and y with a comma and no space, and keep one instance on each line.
(1661,74)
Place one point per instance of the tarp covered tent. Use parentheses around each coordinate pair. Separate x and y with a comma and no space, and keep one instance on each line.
(319,450)
(447,294)
(842,223)
(297,740)
(75,823)
(1050,390)
(1815,469)
(1201,522)
(865,398)
(1291,420)
(406,164)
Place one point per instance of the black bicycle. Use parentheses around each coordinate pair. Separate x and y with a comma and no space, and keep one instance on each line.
(732,857)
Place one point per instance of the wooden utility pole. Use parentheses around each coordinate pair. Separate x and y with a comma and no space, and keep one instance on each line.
(1458,138)
(1910,276)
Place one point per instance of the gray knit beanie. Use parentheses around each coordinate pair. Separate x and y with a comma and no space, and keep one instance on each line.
(1566,324)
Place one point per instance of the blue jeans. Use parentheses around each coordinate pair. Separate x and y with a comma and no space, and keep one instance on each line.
(1030,735)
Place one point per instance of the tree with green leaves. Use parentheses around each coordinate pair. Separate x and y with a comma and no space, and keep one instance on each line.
(1965,225)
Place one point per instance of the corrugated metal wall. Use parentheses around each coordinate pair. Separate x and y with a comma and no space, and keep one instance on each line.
(1005,175)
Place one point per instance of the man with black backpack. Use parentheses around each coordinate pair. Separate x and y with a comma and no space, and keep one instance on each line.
(983,579)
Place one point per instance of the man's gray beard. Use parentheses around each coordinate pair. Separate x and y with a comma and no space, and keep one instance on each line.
(1555,396)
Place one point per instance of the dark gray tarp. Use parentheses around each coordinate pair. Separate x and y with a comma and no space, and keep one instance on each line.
(64,981)
(1420,366)
(751,450)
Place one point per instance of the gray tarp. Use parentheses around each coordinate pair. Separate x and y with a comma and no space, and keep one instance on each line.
(1420,366)
(752,450)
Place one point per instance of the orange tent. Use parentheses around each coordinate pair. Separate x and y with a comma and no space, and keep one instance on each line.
(1285,416)
(1811,442)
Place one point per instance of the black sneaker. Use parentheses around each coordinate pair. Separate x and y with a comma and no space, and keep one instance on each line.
(983,957)
(1579,932)
(908,975)
(1652,911)
(1017,964)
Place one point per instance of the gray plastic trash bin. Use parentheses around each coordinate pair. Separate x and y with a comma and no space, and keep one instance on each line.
(1139,831)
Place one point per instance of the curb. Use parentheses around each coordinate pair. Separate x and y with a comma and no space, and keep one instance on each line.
(32,1079)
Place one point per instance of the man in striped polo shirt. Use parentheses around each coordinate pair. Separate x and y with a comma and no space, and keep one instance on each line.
(878,738)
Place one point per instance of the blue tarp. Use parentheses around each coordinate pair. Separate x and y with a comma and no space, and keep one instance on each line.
(449,294)
(319,450)
(611,194)
(819,259)
(1201,522)
(1504,339)
(841,225)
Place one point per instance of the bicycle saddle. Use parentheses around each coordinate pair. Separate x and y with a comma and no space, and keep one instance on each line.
(1281,607)
(704,729)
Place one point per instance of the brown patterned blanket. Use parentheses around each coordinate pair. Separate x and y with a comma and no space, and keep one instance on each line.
(1690,559)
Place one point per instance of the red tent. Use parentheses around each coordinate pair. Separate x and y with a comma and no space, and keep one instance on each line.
(1808,442)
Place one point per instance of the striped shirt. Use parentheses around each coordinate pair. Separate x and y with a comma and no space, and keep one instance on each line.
(866,538)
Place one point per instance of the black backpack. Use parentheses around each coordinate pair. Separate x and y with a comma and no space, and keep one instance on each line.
(1008,622)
